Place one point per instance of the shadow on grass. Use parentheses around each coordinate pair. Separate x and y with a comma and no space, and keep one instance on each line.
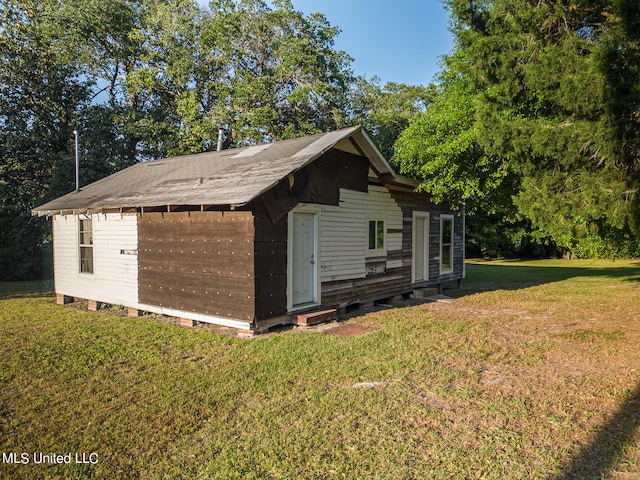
(603,453)
(35,288)
(487,276)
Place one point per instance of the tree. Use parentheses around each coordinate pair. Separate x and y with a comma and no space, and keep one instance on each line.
(174,73)
(143,79)
(442,149)
(272,73)
(385,112)
(140,53)
(554,89)
(41,91)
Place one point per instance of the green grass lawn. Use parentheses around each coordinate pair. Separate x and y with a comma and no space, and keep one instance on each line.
(531,372)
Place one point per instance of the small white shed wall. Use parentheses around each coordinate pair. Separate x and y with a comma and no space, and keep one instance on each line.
(344,232)
(115,260)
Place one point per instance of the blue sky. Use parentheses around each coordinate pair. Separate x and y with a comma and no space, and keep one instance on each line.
(398,41)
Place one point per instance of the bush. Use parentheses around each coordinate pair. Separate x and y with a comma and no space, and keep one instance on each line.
(494,236)
(22,256)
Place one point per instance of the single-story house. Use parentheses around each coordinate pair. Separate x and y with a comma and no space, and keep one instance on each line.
(248,237)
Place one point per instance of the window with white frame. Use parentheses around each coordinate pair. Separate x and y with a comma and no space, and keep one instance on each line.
(446,243)
(86,245)
(376,235)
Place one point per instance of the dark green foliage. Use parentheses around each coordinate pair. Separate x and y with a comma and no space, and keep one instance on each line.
(141,55)
(441,148)
(102,147)
(41,92)
(551,103)
(494,236)
(276,74)
(21,260)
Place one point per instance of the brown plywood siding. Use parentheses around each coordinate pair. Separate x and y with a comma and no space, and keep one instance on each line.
(410,202)
(198,262)
(318,183)
(270,264)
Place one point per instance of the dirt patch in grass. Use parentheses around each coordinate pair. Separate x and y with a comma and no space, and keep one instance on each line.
(347,330)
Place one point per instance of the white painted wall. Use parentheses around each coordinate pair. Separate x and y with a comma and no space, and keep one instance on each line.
(115,274)
(344,232)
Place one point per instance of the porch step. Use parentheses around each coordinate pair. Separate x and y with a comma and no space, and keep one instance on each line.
(425,292)
(315,318)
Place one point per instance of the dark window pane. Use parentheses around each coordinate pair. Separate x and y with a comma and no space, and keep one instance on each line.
(380,236)
(446,258)
(86,248)
(86,259)
(372,235)
(446,231)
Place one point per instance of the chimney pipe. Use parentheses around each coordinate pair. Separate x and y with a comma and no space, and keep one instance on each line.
(75,132)
(220,138)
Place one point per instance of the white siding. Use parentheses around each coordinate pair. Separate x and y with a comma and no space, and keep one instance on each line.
(344,232)
(115,260)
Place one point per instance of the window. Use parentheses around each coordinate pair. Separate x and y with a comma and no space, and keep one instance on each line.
(86,246)
(376,235)
(446,244)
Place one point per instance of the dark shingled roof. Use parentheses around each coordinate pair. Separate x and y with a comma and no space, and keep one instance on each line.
(228,177)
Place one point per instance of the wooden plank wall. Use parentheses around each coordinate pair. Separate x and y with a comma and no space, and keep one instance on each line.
(344,241)
(344,233)
(410,202)
(199,262)
(115,262)
(396,280)
(270,251)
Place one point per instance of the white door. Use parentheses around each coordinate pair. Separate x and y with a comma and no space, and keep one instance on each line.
(420,246)
(303,268)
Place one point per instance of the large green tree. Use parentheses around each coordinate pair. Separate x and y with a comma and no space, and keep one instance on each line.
(175,73)
(41,92)
(270,72)
(140,55)
(442,149)
(551,92)
(386,111)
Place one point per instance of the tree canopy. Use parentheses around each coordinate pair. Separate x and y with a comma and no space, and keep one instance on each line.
(144,79)
(386,111)
(538,115)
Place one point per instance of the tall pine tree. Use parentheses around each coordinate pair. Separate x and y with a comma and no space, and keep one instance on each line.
(554,90)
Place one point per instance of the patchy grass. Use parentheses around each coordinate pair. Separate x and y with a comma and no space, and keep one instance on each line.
(592,335)
(531,372)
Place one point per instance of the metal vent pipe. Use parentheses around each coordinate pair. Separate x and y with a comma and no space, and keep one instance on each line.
(75,132)
(220,138)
